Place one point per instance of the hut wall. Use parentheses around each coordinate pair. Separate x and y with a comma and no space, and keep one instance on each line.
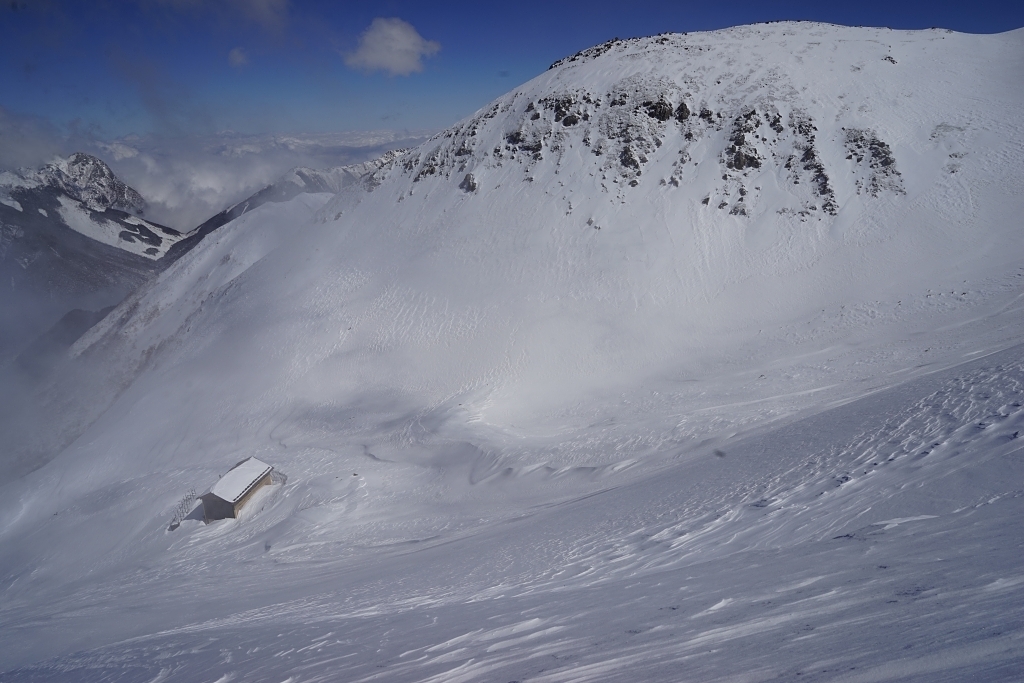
(215,508)
(245,499)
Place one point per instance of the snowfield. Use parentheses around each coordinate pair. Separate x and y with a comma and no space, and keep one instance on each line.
(696,358)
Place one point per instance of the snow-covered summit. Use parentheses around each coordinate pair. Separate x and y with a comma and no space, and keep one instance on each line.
(83,178)
(792,119)
(71,238)
(83,194)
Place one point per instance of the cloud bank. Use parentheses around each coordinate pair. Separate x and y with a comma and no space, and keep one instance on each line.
(185,180)
(391,45)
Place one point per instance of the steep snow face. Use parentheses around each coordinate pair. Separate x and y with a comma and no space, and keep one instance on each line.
(70,238)
(297,181)
(92,201)
(83,178)
(655,253)
(681,196)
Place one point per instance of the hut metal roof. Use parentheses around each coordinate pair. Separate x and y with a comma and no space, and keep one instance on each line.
(239,479)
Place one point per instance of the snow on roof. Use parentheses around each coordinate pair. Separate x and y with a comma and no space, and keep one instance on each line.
(239,479)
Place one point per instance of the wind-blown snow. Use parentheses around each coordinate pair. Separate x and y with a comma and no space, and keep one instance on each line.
(113,234)
(583,388)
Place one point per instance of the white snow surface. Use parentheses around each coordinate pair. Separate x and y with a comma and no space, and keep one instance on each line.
(82,220)
(236,481)
(565,420)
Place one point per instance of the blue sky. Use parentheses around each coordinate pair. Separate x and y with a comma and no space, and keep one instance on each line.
(115,67)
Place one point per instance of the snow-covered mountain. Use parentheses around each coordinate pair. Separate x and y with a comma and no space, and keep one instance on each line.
(695,357)
(83,194)
(72,242)
(299,180)
(71,237)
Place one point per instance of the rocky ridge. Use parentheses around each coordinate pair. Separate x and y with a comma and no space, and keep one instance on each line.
(681,98)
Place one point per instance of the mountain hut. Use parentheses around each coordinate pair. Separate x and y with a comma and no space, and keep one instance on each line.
(234,489)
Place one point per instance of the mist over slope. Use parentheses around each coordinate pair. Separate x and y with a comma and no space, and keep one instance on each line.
(658,250)
(72,237)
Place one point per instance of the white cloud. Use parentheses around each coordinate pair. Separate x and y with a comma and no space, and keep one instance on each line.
(238,57)
(185,180)
(391,45)
(118,150)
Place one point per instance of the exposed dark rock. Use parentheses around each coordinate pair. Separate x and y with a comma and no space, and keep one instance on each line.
(660,110)
(865,148)
(628,159)
(589,53)
(468,183)
(682,112)
(562,106)
(804,131)
(740,155)
(428,169)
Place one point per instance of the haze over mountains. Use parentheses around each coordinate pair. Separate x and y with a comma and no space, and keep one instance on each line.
(72,237)
(694,358)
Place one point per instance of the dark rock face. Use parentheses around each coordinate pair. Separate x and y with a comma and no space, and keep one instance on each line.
(86,179)
(468,183)
(879,173)
(740,155)
(660,110)
(804,132)
(589,53)
(629,123)
(92,182)
(562,106)
(628,159)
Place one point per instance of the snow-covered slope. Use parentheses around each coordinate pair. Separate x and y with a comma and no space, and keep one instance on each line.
(88,198)
(71,237)
(299,180)
(550,393)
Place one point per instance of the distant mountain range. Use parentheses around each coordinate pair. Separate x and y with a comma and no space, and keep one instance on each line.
(73,243)
(71,237)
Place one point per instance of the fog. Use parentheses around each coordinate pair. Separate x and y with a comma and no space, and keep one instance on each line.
(185,179)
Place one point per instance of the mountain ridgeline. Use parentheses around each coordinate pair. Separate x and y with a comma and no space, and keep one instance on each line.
(73,242)
(554,388)
(641,210)
(693,104)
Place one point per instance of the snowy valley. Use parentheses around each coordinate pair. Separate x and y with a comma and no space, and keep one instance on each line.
(696,357)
